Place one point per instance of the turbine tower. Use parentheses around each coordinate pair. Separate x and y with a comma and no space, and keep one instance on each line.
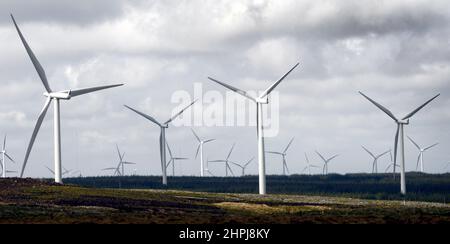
(173,159)
(399,134)
(325,162)
(244,166)
(309,165)
(200,148)
(55,96)
(207,168)
(259,101)
(283,156)
(226,161)
(5,154)
(162,137)
(421,152)
(375,159)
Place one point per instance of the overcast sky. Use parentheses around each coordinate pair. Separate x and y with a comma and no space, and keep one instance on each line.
(397,52)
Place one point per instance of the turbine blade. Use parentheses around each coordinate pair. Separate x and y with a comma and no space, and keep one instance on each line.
(238,91)
(12,160)
(178,114)
(33,58)
(332,157)
(289,144)
(396,145)
(210,140)
(413,142)
(198,149)
(320,155)
(168,148)
(383,153)
(118,152)
(272,152)
(367,150)
(306,157)
(418,161)
(4,143)
(196,136)
(385,110)
(231,150)
(34,134)
(435,144)
(77,92)
(53,172)
(420,107)
(248,162)
(144,115)
(266,92)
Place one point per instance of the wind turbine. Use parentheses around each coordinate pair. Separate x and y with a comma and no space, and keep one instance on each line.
(162,137)
(375,159)
(243,166)
(421,152)
(309,165)
(392,164)
(399,134)
(173,159)
(259,101)
(55,96)
(5,154)
(226,161)
(283,156)
(119,170)
(200,148)
(325,162)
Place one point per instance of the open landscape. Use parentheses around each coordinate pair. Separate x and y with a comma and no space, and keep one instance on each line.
(41,201)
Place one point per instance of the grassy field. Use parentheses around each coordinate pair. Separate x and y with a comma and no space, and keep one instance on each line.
(35,201)
(420,186)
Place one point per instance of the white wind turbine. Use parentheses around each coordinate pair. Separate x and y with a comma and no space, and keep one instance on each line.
(162,136)
(200,148)
(325,162)
(375,159)
(51,95)
(244,166)
(421,152)
(226,161)
(262,99)
(173,159)
(283,156)
(399,134)
(119,170)
(309,165)
(5,154)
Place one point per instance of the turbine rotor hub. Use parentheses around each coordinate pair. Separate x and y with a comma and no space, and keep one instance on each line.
(59,95)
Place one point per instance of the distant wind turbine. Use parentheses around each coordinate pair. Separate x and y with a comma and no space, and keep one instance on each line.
(421,152)
(162,136)
(119,170)
(325,162)
(399,134)
(173,159)
(226,161)
(262,99)
(55,96)
(207,168)
(309,165)
(5,154)
(283,156)
(392,164)
(200,148)
(244,166)
(375,159)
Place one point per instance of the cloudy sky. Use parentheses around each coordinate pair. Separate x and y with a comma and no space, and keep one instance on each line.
(397,52)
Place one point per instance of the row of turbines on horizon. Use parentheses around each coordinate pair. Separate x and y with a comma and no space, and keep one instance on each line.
(262,99)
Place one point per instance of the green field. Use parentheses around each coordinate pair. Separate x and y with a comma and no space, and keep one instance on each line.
(36,201)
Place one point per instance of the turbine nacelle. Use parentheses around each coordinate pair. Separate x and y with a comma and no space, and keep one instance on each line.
(263,100)
(59,95)
(403,122)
